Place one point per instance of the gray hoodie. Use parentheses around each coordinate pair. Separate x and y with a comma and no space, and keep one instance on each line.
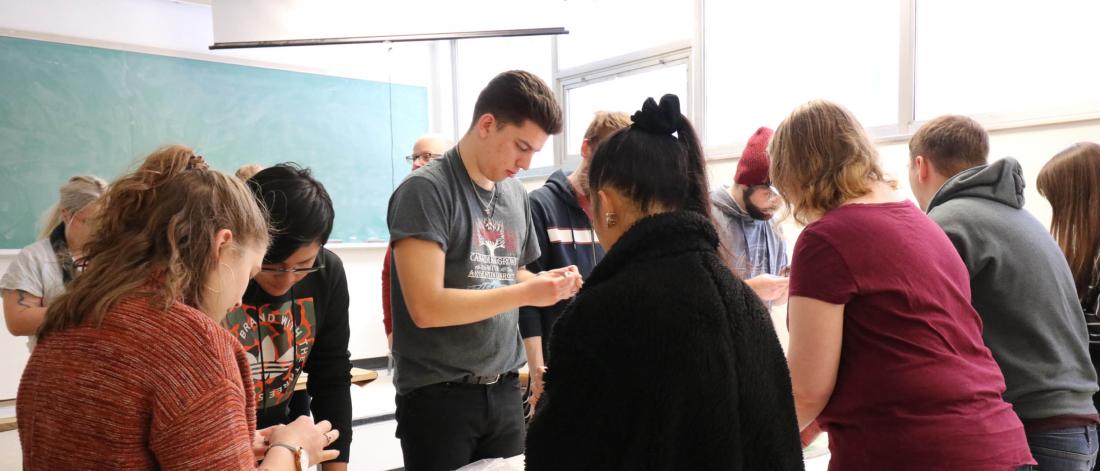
(756,246)
(1023,290)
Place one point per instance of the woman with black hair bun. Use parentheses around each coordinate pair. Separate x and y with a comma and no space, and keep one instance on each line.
(665,360)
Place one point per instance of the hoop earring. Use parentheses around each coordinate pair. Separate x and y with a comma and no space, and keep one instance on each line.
(221,279)
(610,219)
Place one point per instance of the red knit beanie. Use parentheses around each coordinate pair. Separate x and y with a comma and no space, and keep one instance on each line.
(752,169)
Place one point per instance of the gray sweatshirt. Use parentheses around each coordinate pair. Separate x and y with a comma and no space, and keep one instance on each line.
(756,246)
(1023,290)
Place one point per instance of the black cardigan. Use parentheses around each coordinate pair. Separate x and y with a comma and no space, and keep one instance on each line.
(665,361)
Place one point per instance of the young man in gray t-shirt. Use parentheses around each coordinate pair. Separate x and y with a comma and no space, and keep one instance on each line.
(461,234)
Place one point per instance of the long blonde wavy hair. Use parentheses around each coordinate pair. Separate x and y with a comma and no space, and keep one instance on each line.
(155,237)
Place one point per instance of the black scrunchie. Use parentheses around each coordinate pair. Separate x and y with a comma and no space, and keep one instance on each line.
(659,119)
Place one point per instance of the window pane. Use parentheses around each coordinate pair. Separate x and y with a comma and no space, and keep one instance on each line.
(765,58)
(479,60)
(623,93)
(984,56)
(601,29)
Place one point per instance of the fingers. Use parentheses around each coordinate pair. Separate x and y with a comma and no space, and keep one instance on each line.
(565,287)
(322,426)
(326,455)
(266,432)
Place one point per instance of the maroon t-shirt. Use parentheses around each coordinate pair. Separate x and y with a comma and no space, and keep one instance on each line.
(916,387)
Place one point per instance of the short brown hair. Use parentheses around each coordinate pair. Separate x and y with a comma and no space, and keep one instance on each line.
(603,125)
(516,96)
(952,143)
(820,158)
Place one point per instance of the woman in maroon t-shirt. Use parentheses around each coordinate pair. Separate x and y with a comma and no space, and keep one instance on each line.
(886,351)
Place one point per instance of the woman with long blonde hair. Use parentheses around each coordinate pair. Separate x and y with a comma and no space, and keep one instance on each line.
(132,357)
(886,352)
(41,271)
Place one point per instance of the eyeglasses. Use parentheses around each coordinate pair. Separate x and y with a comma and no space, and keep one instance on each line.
(425,157)
(292,271)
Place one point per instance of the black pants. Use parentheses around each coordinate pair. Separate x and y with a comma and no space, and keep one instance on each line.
(447,426)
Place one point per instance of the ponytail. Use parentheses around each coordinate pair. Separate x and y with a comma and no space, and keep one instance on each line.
(650,165)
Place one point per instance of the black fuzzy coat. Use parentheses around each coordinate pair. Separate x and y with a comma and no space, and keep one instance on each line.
(665,361)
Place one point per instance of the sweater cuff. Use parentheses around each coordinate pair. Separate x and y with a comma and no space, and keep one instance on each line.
(530,322)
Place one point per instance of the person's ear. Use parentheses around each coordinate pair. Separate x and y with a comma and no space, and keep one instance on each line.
(485,124)
(613,206)
(222,240)
(66,216)
(923,167)
(586,150)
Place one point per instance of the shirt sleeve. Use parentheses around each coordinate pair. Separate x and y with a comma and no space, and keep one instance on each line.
(530,317)
(818,271)
(24,274)
(387,309)
(329,364)
(531,250)
(211,432)
(418,209)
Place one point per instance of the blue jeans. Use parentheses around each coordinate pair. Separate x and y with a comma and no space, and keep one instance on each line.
(1067,449)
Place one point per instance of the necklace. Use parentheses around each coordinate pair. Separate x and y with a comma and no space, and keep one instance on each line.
(486,208)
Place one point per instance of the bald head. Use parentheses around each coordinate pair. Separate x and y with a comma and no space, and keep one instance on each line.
(429,147)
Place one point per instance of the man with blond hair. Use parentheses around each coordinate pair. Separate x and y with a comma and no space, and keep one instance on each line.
(561,212)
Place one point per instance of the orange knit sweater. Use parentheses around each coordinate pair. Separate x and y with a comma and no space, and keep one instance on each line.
(146,390)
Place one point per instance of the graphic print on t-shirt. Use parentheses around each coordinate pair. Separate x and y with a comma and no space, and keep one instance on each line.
(758,256)
(270,345)
(493,255)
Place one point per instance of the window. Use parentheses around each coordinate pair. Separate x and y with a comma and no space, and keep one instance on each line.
(623,92)
(479,60)
(762,59)
(986,58)
(603,29)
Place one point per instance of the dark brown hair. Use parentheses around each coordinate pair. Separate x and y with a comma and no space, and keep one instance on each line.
(517,96)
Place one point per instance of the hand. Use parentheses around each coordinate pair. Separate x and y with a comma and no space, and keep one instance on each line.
(313,437)
(261,442)
(535,383)
(769,287)
(809,434)
(549,287)
(572,271)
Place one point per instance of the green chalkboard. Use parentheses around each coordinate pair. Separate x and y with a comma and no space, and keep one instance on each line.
(69,110)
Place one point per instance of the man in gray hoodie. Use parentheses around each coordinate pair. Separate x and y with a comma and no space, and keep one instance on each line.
(1021,287)
(743,216)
